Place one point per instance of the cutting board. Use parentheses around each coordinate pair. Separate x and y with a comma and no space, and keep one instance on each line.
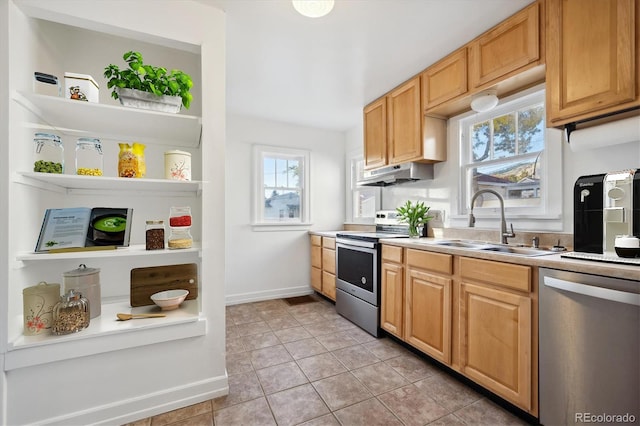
(147,281)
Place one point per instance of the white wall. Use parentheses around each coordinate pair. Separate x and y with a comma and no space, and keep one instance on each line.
(442,192)
(269,264)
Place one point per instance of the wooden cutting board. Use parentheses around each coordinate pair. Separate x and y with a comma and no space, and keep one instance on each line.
(147,281)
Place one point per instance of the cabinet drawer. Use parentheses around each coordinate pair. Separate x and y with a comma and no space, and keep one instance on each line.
(436,262)
(329,285)
(316,240)
(392,254)
(329,243)
(329,260)
(316,278)
(316,256)
(517,277)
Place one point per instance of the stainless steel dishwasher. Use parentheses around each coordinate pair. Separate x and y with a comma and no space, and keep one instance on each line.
(589,357)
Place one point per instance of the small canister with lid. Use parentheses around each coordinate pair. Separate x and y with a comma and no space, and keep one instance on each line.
(154,235)
(71,314)
(38,303)
(48,153)
(180,226)
(89,158)
(86,281)
(177,165)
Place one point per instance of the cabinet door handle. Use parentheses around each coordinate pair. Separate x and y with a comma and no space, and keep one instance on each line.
(592,291)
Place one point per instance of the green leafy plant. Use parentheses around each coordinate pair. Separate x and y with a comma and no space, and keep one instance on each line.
(415,215)
(148,78)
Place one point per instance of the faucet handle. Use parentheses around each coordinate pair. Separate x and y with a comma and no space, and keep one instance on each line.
(506,235)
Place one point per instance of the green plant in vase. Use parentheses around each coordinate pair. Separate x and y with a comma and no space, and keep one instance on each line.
(416,215)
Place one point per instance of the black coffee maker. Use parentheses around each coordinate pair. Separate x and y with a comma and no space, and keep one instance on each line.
(588,212)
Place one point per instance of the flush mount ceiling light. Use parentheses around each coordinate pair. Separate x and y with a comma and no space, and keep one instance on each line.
(484,101)
(313,8)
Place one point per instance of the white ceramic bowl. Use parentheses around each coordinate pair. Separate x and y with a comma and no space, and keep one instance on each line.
(170,299)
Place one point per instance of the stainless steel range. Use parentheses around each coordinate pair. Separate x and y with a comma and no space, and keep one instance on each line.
(358,259)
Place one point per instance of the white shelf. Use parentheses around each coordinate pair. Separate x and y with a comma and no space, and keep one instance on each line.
(134,250)
(70,183)
(112,122)
(106,333)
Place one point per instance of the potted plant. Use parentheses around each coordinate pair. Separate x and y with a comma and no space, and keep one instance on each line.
(416,215)
(147,86)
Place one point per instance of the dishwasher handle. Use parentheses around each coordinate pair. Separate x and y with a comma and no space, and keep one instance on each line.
(592,291)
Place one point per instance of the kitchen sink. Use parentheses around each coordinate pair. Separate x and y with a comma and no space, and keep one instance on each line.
(491,247)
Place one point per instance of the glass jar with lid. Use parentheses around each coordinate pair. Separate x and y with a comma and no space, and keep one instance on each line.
(71,313)
(89,159)
(49,153)
(180,238)
(180,217)
(154,235)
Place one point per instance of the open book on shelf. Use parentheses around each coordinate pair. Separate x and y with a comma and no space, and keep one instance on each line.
(84,228)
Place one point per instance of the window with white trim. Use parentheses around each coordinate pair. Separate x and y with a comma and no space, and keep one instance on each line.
(365,200)
(506,150)
(281,194)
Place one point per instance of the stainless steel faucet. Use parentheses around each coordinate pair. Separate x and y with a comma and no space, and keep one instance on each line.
(503,223)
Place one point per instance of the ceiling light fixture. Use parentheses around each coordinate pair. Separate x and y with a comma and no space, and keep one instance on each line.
(484,101)
(313,8)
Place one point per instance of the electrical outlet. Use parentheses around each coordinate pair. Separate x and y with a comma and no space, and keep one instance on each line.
(438,218)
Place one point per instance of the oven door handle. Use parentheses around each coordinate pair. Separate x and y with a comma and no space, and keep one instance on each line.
(357,243)
(592,291)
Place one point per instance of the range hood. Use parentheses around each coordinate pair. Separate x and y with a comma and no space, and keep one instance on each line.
(393,175)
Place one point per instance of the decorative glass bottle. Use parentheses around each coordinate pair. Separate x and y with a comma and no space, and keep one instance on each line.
(71,313)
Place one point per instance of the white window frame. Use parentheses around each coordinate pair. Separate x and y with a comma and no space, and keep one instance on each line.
(354,190)
(259,222)
(548,215)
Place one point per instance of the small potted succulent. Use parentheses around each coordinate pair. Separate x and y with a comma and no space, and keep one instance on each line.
(149,87)
(416,215)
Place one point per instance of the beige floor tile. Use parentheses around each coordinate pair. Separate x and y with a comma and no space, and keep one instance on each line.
(182,414)
(412,406)
(326,420)
(485,412)
(305,318)
(341,390)
(336,341)
(319,328)
(234,345)
(259,341)
(143,422)
(321,366)
(238,363)
(245,308)
(379,378)
(447,391)
(411,367)
(258,327)
(245,318)
(360,336)
(304,348)
(449,420)
(280,377)
(354,357)
(296,405)
(385,348)
(274,355)
(254,412)
(281,322)
(270,305)
(205,419)
(367,413)
(242,387)
(292,334)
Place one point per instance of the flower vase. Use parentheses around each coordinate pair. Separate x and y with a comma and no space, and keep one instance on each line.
(415,231)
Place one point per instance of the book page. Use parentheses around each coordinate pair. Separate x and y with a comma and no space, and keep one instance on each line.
(64,228)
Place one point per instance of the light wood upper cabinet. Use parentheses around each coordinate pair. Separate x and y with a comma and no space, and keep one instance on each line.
(445,80)
(405,122)
(375,134)
(507,49)
(392,287)
(593,59)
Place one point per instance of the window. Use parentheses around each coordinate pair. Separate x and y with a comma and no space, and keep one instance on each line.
(365,200)
(280,188)
(507,150)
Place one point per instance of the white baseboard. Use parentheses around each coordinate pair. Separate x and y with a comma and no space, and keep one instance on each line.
(258,296)
(130,410)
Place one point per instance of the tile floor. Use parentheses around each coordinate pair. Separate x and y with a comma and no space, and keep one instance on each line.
(306,365)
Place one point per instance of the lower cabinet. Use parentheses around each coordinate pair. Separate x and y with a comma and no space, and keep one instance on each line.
(323,265)
(479,317)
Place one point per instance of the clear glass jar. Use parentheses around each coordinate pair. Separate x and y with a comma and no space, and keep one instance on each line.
(154,235)
(89,158)
(49,153)
(71,313)
(180,238)
(180,217)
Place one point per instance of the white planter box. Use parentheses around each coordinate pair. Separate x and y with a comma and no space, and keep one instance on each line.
(145,100)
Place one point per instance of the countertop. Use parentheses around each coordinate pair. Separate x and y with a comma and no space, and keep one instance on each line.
(331,234)
(553,261)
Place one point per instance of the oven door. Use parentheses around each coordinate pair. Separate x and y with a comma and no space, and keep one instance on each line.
(357,269)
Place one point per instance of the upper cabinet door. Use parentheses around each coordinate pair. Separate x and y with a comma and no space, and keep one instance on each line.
(375,134)
(592,58)
(405,122)
(445,80)
(507,49)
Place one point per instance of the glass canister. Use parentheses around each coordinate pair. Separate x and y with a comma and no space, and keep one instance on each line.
(86,281)
(154,235)
(180,216)
(180,238)
(177,165)
(38,303)
(49,153)
(89,159)
(71,314)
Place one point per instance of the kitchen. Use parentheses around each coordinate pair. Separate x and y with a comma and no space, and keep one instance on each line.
(279,261)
